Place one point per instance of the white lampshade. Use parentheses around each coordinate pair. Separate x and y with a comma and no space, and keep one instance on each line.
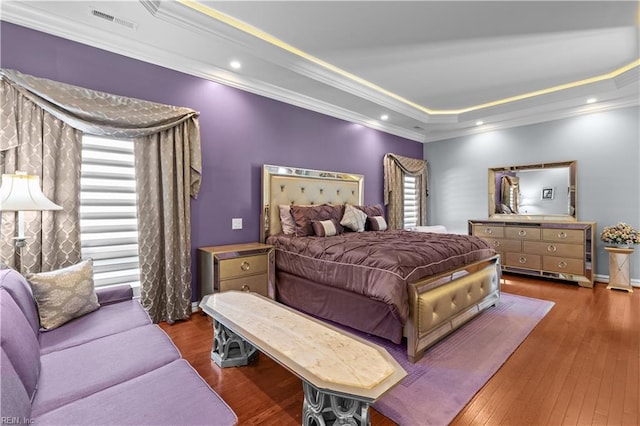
(21,192)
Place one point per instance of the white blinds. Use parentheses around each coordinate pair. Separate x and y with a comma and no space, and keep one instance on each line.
(108,215)
(410,202)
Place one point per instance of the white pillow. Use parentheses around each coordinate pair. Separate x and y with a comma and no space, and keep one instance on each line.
(353,218)
(286,220)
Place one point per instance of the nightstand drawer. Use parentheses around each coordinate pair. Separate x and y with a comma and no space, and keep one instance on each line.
(255,283)
(243,266)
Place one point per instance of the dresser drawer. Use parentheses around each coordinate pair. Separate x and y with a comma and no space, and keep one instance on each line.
(243,266)
(563,235)
(523,260)
(503,245)
(256,283)
(522,233)
(488,231)
(554,249)
(563,265)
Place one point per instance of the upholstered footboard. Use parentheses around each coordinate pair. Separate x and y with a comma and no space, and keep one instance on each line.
(441,304)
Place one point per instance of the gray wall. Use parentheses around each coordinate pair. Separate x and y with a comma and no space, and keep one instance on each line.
(606,146)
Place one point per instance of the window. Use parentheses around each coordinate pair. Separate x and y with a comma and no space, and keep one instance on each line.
(411,202)
(108,214)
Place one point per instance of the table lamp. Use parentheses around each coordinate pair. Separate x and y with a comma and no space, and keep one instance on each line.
(21,192)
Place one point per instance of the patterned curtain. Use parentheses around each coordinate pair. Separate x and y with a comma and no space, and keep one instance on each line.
(395,168)
(34,141)
(168,169)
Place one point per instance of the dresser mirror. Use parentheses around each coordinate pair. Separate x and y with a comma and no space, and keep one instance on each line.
(533,192)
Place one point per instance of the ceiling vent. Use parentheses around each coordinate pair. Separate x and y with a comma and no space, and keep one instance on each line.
(109,17)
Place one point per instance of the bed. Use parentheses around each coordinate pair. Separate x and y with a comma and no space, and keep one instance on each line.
(389,283)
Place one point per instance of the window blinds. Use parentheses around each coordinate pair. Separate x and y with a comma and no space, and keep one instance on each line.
(410,202)
(108,215)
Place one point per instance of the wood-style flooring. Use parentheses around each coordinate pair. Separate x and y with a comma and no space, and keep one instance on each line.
(579,366)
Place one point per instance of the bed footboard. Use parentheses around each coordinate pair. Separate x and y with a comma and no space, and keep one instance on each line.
(441,304)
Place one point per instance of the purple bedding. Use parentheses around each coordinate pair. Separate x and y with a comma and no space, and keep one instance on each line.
(378,265)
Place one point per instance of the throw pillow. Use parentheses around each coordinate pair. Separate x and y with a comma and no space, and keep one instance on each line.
(378,223)
(64,294)
(324,228)
(353,218)
(286,220)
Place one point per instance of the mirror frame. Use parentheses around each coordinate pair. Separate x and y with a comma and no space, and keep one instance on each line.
(573,192)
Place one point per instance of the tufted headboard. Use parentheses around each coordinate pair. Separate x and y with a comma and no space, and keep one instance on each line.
(290,185)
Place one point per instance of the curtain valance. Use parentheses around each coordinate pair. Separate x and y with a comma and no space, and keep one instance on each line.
(96,113)
(395,168)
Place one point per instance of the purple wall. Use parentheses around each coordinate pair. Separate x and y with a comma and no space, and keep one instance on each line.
(240,131)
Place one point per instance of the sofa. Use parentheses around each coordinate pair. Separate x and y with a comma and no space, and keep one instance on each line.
(109,367)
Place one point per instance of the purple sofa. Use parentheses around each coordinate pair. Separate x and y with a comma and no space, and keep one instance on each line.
(109,367)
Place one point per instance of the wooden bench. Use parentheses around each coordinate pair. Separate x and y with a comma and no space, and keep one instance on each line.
(342,374)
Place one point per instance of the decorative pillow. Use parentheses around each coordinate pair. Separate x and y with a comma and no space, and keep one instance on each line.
(304,215)
(286,220)
(353,218)
(64,294)
(377,223)
(324,228)
(371,211)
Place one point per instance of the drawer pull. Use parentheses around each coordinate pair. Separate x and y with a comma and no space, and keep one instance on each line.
(522,260)
(245,266)
(562,235)
(522,232)
(496,243)
(245,288)
(488,231)
(562,264)
(552,248)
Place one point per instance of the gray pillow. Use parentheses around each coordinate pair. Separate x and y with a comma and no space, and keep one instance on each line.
(353,218)
(64,294)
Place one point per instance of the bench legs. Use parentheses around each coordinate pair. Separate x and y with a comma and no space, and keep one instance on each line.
(229,350)
(323,408)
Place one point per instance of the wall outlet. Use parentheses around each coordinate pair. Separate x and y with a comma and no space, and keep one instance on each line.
(236,223)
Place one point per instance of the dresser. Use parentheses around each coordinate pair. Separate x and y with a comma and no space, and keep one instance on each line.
(243,267)
(560,250)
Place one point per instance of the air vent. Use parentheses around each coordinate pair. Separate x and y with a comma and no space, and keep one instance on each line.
(418,128)
(111,18)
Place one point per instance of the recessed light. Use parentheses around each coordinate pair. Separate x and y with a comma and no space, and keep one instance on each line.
(236,65)
(384,117)
(592,100)
(479,123)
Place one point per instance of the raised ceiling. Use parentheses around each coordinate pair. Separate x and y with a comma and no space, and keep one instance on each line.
(436,68)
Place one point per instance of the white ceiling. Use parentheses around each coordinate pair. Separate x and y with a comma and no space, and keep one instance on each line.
(434,67)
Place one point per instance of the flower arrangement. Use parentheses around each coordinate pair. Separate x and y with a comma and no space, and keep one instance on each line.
(622,234)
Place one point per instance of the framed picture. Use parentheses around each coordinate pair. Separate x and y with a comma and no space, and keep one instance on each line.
(547,193)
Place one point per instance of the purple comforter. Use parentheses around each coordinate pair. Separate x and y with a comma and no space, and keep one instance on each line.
(378,265)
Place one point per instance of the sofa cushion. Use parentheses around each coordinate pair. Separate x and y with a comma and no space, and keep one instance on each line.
(19,343)
(107,320)
(20,291)
(64,294)
(14,401)
(170,395)
(77,372)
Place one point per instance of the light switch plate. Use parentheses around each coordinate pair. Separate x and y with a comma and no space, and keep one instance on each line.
(236,223)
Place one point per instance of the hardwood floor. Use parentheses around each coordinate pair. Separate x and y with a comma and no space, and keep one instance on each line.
(579,366)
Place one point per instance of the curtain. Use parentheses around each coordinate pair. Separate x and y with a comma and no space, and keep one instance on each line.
(34,141)
(395,168)
(168,164)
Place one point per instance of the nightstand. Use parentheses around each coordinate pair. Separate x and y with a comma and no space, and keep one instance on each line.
(244,267)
